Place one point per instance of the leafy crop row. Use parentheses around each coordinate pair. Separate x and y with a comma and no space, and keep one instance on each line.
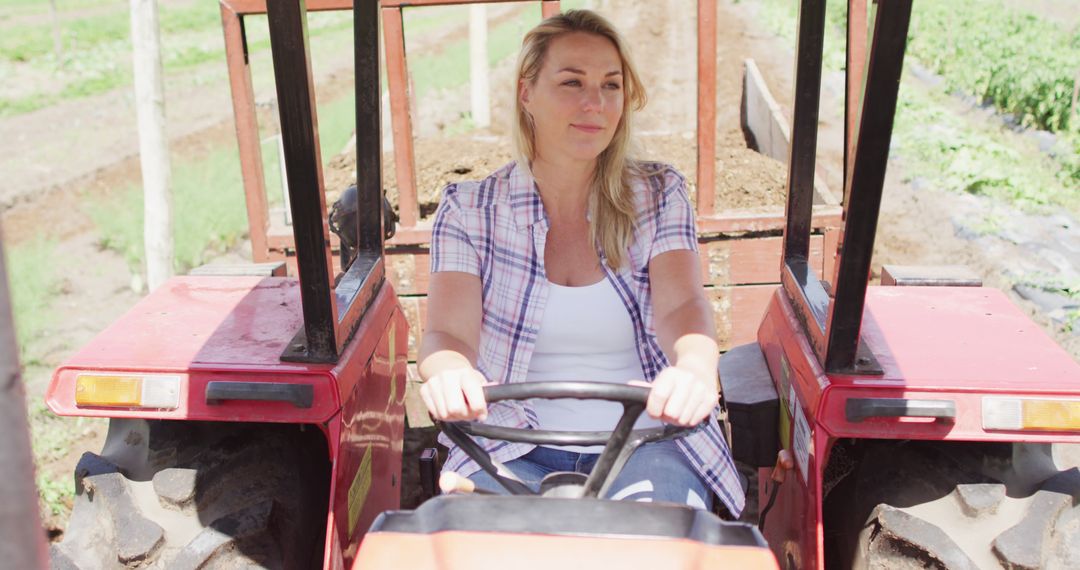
(979,48)
(1025,65)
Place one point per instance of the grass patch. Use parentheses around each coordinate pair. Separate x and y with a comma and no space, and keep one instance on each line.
(450,67)
(337,121)
(1072,321)
(33,279)
(38,6)
(97,50)
(208,211)
(956,154)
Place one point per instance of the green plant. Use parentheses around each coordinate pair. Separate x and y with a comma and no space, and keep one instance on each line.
(208,211)
(956,154)
(33,280)
(55,495)
(1072,321)
(1021,63)
(51,438)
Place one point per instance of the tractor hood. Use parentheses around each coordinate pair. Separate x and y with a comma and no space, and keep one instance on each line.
(482,532)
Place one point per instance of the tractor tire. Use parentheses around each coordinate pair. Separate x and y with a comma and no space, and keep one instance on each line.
(961,506)
(199,495)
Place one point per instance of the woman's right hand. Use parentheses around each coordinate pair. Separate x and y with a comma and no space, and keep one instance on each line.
(455,395)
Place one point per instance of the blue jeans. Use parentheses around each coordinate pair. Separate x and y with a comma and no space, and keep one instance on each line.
(655,472)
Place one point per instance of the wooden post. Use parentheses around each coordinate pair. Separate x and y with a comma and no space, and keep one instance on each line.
(58,44)
(478,66)
(22,542)
(153,144)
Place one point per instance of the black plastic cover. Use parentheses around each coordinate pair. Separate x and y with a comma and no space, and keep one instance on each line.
(752,405)
(568,517)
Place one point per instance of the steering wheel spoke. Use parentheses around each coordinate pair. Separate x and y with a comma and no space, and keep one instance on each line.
(500,472)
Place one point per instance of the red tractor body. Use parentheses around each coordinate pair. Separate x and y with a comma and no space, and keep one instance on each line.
(949,354)
(211,335)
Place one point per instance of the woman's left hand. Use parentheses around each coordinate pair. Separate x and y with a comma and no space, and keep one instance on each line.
(682,396)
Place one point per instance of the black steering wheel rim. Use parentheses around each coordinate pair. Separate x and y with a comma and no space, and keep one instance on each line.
(619,443)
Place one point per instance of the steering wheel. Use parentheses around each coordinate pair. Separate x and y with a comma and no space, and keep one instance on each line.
(619,444)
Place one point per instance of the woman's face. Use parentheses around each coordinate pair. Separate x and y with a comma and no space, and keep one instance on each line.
(577,99)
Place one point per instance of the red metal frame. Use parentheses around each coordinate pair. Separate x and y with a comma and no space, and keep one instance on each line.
(397,79)
(706,108)
(247,125)
(410,230)
(856,70)
(270,241)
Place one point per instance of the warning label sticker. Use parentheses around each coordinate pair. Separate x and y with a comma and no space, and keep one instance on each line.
(358,490)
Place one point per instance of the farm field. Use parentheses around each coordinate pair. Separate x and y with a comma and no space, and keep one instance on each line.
(975,189)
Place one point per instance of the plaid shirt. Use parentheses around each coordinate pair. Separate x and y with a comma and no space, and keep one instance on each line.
(496,229)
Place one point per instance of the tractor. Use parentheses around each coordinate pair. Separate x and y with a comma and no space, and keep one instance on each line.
(259,420)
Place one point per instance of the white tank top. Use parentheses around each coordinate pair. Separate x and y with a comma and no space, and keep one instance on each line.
(585,335)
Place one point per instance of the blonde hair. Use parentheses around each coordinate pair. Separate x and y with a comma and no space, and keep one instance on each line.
(610,199)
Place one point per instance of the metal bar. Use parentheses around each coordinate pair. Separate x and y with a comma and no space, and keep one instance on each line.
(369,181)
(504,476)
(22,542)
(247,7)
(410,3)
(856,62)
(357,288)
(826,217)
(549,8)
(803,153)
(397,77)
(247,130)
(616,452)
(706,108)
(809,300)
(299,132)
(869,162)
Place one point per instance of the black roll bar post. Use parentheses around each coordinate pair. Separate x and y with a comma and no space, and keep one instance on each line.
(331,312)
(833,325)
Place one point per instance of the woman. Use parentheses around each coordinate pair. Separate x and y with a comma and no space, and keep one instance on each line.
(576,262)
